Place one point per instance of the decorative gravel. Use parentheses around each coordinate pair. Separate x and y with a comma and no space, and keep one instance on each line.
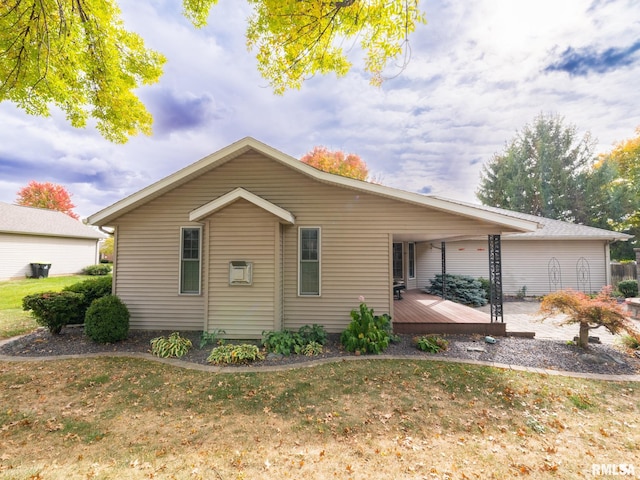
(544,354)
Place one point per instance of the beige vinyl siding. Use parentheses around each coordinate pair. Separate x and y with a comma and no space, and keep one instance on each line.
(67,256)
(243,232)
(524,263)
(355,244)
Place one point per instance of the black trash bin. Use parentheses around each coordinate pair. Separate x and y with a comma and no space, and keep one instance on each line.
(40,270)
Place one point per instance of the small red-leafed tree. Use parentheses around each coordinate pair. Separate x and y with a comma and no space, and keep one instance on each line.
(589,312)
(350,165)
(46,195)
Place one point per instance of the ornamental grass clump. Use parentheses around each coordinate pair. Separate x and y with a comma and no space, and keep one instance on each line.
(588,312)
(367,333)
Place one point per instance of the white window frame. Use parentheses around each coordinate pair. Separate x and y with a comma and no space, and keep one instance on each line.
(300,293)
(411,266)
(180,279)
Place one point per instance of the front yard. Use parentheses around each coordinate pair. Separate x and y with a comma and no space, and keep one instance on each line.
(128,418)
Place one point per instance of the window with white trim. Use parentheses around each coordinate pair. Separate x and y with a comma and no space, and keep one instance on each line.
(412,260)
(190,257)
(309,261)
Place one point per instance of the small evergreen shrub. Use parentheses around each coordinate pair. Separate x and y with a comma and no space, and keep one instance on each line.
(628,288)
(53,310)
(173,346)
(367,333)
(91,289)
(100,269)
(232,354)
(431,343)
(461,289)
(107,320)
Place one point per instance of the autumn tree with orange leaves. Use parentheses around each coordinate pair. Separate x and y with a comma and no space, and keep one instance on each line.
(588,312)
(46,195)
(350,165)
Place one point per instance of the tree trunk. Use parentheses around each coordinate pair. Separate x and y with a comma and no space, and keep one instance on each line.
(584,335)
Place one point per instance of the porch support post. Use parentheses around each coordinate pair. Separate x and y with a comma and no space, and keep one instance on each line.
(495,278)
(443,254)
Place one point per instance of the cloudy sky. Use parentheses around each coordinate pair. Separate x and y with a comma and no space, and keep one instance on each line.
(479,71)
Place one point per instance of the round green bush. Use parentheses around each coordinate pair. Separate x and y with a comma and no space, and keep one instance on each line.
(107,320)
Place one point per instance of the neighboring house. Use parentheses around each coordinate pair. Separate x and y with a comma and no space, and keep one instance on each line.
(250,239)
(35,235)
(559,255)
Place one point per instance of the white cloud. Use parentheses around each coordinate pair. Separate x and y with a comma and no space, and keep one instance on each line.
(477,74)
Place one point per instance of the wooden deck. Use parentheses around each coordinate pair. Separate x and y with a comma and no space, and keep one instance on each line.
(421,313)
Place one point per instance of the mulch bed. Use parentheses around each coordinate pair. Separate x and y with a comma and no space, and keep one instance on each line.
(543,354)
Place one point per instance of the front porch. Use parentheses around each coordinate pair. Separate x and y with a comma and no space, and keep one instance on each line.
(421,313)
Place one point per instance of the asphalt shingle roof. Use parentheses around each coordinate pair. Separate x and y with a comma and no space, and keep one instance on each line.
(39,221)
(554,229)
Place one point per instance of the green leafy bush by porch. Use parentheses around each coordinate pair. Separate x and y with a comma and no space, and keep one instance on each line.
(53,310)
(431,343)
(107,320)
(285,342)
(100,269)
(367,333)
(460,289)
(91,289)
(628,288)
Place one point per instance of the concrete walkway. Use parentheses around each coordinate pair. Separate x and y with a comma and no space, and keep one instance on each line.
(524,317)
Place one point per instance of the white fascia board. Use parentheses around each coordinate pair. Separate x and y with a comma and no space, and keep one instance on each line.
(104,216)
(228,198)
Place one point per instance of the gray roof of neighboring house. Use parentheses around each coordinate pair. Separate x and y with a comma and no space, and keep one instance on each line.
(39,221)
(555,229)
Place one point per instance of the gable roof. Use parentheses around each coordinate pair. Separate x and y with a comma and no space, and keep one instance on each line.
(228,198)
(109,214)
(551,229)
(39,221)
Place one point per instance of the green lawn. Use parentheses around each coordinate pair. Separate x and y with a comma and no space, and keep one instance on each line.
(13,320)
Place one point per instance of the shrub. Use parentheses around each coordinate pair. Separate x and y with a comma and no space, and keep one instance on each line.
(486,287)
(628,288)
(210,338)
(53,310)
(461,289)
(228,354)
(107,320)
(431,343)
(313,333)
(281,342)
(91,289)
(100,269)
(174,346)
(286,342)
(366,333)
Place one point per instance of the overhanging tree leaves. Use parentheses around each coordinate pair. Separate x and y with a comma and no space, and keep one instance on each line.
(76,54)
(542,171)
(350,165)
(46,195)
